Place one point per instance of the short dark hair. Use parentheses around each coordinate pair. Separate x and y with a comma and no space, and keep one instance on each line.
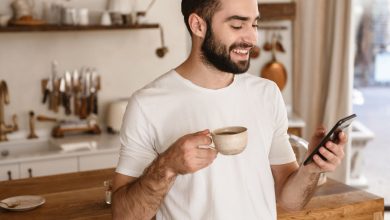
(204,8)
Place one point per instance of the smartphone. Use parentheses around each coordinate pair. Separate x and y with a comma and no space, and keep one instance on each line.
(332,135)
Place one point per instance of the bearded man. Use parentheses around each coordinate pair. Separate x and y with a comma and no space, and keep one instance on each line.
(164,171)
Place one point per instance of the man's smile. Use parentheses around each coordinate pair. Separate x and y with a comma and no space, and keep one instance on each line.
(241,53)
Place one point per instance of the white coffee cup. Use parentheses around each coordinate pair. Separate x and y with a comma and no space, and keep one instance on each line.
(230,140)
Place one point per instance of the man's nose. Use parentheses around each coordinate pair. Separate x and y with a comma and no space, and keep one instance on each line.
(251,35)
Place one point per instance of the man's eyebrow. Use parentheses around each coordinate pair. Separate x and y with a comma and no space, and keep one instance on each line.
(237,17)
(241,18)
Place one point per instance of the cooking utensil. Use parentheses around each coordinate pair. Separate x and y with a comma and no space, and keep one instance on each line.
(278,44)
(62,91)
(48,90)
(54,96)
(67,94)
(84,83)
(93,90)
(255,52)
(275,71)
(268,43)
(32,134)
(161,51)
(76,90)
(46,118)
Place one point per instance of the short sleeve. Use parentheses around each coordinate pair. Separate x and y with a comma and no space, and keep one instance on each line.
(137,141)
(281,151)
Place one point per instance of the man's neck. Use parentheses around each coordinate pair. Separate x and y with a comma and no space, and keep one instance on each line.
(203,75)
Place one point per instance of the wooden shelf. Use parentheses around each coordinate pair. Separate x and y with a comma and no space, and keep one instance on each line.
(277,11)
(57,28)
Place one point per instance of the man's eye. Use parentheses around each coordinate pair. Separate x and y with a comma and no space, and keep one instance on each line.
(255,25)
(236,27)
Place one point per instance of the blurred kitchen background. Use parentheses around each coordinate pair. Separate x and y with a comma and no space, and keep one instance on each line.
(371,95)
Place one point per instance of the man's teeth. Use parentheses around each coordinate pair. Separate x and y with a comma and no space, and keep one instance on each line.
(241,51)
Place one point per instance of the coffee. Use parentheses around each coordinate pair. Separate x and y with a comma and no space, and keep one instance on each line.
(227,133)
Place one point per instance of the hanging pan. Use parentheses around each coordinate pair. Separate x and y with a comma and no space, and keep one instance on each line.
(275,71)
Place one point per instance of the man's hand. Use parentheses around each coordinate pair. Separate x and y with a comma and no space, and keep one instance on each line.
(187,156)
(140,198)
(296,186)
(333,152)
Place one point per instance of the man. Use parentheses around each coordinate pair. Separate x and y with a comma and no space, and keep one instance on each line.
(162,170)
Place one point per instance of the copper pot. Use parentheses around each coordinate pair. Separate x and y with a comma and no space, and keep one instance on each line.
(275,71)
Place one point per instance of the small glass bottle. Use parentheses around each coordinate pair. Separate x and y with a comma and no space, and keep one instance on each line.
(108,191)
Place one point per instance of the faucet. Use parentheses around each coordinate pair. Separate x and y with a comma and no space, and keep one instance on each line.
(4,100)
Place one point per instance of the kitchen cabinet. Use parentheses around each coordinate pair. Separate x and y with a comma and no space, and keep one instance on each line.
(48,167)
(98,161)
(49,159)
(9,171)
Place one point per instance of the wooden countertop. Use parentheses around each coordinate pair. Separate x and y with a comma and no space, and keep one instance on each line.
(81,196)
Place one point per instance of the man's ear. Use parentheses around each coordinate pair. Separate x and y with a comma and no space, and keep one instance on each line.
(198,25)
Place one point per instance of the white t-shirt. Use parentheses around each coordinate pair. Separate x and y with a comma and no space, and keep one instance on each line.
(232,187)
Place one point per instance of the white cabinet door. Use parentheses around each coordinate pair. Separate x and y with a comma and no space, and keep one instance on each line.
(9,171)
(48,167)
(98,161)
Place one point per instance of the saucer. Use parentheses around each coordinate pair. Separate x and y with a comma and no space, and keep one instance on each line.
(24,202)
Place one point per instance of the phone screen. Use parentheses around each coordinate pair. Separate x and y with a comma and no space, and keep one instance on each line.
(332,135)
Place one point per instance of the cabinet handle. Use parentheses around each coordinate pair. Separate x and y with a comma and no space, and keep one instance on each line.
(9,175)
(30,173)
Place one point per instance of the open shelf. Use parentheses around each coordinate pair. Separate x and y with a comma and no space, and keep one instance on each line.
(56,28)
(277,11)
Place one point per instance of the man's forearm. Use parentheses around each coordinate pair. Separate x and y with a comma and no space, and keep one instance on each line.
(298,189)
(142,198)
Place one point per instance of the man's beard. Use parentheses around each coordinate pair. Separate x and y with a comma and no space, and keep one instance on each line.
(216,54)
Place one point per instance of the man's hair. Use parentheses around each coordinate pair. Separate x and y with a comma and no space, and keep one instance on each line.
(204,8)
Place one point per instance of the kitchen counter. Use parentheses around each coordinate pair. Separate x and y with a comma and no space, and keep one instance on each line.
(81,195)
(104,143)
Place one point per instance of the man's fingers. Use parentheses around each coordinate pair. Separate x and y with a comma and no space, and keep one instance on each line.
(323,165)
(330,156)
(320,132)
(201,139)
(318,135)
(206,153)
(202,163)
(342,138)
(336,149)
(204,132)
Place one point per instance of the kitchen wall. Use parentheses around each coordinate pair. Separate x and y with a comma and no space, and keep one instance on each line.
(125,59)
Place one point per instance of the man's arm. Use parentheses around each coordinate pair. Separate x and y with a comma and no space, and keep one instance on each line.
(295,185)
(140,198)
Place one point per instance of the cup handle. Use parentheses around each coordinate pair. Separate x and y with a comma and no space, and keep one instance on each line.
(211,146)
